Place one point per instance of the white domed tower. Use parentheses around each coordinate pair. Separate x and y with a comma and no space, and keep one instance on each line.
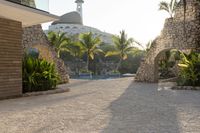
(79,7)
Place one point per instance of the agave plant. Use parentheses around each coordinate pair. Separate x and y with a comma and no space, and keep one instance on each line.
(38,74)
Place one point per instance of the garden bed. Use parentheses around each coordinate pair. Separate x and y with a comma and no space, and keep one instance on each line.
(186,88)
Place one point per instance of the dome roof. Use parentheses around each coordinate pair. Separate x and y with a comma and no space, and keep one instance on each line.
(79,1)
(69,18)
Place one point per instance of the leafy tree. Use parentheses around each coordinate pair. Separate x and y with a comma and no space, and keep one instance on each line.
(59,41)
(123,46)
(132,63)
(90,44)
(169,7)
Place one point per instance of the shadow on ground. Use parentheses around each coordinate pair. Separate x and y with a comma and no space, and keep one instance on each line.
(35,102)
(149,108)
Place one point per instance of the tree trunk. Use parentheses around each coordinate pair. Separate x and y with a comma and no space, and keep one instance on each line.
(88,59)
(76,65)
(119,64)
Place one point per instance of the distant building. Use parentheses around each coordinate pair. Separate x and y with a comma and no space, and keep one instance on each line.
(72,24)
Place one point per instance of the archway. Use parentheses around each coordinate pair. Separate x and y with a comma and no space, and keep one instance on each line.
(173,36)
(166,64)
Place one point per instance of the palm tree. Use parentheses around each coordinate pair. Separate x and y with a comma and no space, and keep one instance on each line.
(169,7)
(90,45)
(123,46)
(77,51)
(59,41)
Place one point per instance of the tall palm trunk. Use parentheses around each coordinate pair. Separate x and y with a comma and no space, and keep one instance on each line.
(119,64)
(88,60)
(76,66)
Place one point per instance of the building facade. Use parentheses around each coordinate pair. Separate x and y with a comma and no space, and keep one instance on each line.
(14,16)
(72,24)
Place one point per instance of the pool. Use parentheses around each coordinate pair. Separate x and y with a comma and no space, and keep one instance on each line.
(95,77)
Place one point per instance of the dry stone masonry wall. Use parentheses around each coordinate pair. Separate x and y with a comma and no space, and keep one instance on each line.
(173,36)
(34,37)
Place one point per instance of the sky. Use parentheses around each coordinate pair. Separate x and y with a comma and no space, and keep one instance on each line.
(141,19)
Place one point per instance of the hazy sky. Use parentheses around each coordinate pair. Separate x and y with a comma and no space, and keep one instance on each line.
(139,18)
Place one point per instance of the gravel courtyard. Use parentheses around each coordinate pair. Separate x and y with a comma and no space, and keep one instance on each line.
(104,106)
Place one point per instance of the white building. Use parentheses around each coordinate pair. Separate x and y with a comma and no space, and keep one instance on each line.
(72,24)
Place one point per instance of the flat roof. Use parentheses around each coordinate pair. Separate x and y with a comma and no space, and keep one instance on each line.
(27,15)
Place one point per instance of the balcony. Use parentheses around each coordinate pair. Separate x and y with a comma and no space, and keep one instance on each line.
(42,5)
(29,12)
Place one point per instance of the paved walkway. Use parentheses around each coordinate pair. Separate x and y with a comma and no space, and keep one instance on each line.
(104,106)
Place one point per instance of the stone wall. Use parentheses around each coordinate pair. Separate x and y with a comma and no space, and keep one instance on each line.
(10,58)
(173,36)
(102,68)
(34,37)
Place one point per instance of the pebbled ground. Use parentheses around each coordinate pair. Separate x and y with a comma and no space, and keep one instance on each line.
(105,106)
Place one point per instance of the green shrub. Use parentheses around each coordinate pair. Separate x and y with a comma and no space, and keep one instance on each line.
(189,69)
(115,72)
(132,63)
(38,75)
(85,71)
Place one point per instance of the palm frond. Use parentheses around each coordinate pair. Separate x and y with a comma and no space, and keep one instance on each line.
(125,56)
(169,7)
(91,55)
(129,49)
(90,44)
(96,51)
(112,53)
(164,6)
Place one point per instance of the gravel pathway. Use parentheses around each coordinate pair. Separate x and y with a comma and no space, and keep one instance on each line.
(104,106)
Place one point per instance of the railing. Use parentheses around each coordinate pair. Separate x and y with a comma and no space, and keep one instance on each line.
(37,4)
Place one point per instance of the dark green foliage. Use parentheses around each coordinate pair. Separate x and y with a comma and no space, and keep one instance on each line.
(85,71)
(167,63)
(189,69)
(115,72)
(90,45)
(123,46)
(164,66)
(132,63)
(89,49)
(59,41)
(38,75)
